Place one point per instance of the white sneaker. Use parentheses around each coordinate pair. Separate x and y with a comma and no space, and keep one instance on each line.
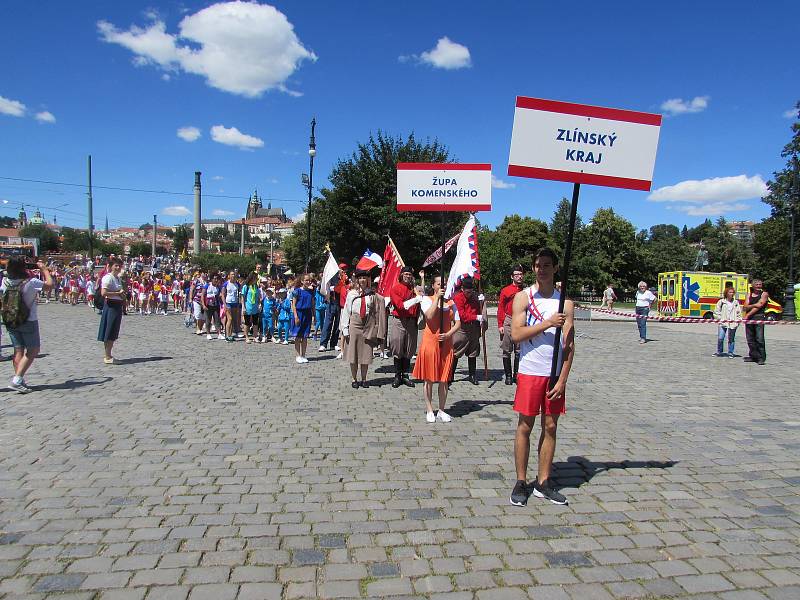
(213,329)
(209,338)
(240,335)
(285,342)
(338,348)
(430,417)
(19,386)
(322,349)
(339,356)
(298,360)
(220,337)
(305,360)
(443,417)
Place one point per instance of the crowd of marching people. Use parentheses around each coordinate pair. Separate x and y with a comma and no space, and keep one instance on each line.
(357,315)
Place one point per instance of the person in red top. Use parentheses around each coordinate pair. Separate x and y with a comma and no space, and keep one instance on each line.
(467,340)
(504,305)
(403,337)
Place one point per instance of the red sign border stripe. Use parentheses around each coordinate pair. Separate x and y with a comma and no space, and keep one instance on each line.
(587,178)
(587,110)
(442,207)
(444,166)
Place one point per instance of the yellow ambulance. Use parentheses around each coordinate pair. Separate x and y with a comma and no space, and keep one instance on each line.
(695,293)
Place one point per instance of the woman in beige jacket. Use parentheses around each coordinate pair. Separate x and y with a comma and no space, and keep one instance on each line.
(727,309)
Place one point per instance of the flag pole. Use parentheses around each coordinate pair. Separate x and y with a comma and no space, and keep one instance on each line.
(441,281)
(576,190)
(483,306)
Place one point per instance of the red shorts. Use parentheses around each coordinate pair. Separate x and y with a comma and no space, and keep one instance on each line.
(531,397)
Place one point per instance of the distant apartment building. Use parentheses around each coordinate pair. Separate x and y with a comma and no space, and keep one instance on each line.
(743,230)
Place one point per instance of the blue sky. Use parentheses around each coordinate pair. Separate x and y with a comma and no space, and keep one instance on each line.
(119,79)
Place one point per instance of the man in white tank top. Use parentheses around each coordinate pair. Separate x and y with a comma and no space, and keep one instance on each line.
(535,317)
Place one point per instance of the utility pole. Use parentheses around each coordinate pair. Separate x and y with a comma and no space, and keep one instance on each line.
(91,218)
(197,202)
(241,243)
(271,254)
(155,228)
(789,313)
(312,152)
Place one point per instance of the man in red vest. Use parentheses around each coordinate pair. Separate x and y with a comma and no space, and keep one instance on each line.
(403,338)
(467,340)
(504,323)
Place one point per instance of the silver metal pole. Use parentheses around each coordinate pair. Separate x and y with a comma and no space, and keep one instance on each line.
(91,218)
(155,228)
(197,203)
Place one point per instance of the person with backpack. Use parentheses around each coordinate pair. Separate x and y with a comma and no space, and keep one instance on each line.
(20,291)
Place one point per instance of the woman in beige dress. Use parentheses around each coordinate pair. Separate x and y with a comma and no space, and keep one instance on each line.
(360,323)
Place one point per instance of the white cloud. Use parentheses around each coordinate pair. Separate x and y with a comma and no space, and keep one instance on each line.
(233,137)
(791,113)
(45,117)
(718,189)
(218,212)
(499,184)
(679,106)
(298,217)
(11,107)
(239,47)
(189,134)
(217,178)
(446,55)
(712,209)
(176,211)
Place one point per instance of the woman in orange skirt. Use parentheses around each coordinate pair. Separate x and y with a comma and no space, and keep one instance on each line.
(435,355)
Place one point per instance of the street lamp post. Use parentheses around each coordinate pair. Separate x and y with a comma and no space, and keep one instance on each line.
(312,152)
(789,313)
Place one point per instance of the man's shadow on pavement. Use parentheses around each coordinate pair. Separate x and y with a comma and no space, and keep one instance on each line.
(578,470)
(72,384)
(142,359)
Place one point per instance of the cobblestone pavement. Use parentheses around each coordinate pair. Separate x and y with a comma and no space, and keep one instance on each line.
(206,470)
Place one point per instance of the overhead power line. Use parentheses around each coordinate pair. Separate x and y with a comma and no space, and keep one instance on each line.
(142,191)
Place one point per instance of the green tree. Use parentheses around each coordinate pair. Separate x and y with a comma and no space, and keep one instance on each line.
(663,231)
(141,249)
(725,251)
(782,191)
(48,240)
(360,207)
(559,226)
(181,240)
(610,241)
(496,260)
(523,236)
(701,232)
(74,240)
(771,260)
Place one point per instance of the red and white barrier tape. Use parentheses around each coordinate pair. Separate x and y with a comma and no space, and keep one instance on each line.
(696,320)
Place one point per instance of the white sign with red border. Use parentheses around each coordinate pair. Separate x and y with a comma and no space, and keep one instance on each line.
(579,143)
(444,186)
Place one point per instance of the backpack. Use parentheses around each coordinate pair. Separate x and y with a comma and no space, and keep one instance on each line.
(15,312)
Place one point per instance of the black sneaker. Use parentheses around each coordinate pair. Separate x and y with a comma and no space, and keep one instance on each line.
(543,490)
(748,359)
(520,493)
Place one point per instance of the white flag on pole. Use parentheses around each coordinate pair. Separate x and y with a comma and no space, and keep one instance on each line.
(466,262)
(330,273)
